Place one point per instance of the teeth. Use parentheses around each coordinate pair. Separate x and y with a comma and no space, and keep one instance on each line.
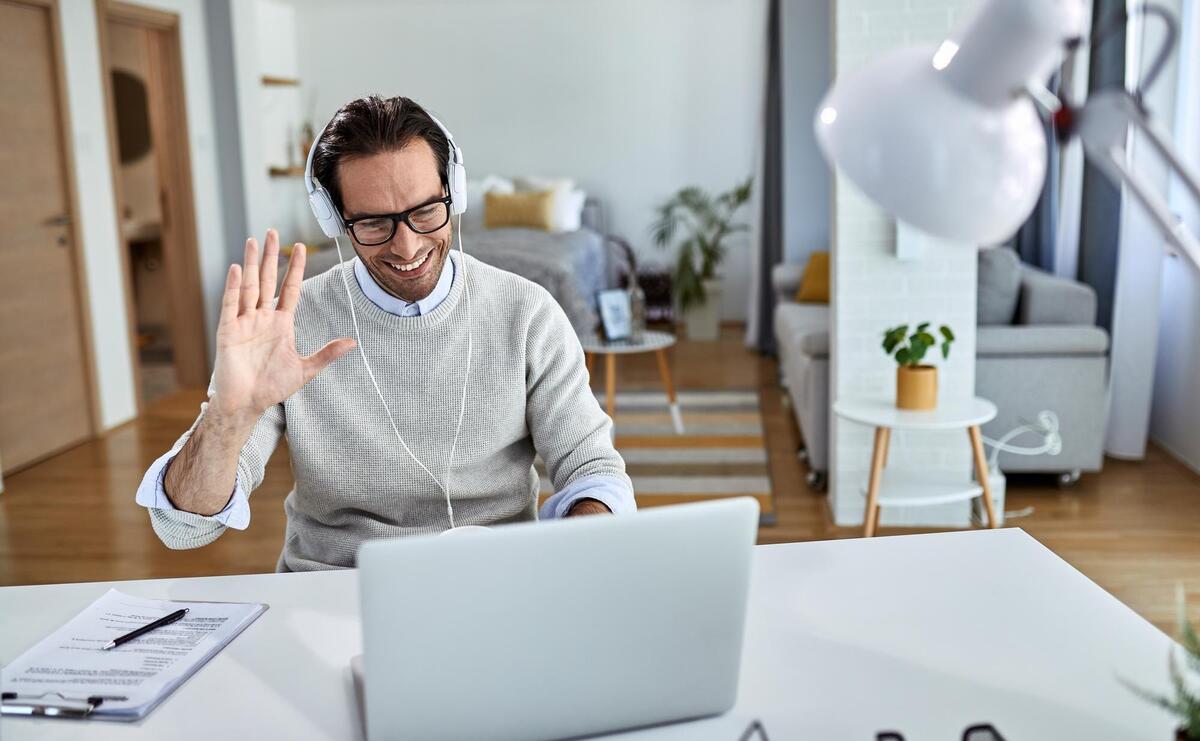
(411,265)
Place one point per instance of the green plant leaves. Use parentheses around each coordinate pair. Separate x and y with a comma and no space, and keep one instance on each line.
(911,349)
(708,221)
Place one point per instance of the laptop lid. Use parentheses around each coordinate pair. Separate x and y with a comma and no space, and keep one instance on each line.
(557,629)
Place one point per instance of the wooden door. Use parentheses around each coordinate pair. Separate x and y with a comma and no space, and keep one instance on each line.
(45,401)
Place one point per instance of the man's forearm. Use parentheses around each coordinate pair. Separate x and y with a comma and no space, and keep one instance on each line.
(201,478)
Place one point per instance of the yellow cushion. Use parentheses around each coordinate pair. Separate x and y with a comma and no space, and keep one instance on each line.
(814,285)
(529,209)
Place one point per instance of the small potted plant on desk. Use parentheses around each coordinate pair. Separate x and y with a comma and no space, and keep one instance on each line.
(1185,704)
(709,221)
(916,383)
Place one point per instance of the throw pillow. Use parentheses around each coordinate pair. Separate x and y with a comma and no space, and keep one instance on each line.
(999,286)
(531,210)
(814,284)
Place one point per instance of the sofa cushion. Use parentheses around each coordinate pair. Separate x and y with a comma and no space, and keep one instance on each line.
(814,285)
(1044,339)
(796,320)
(999,285)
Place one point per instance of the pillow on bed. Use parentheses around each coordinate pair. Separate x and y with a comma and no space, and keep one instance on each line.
(531,210)
(472,220)
(568,200)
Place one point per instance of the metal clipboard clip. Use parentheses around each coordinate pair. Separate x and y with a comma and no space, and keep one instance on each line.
(45,704)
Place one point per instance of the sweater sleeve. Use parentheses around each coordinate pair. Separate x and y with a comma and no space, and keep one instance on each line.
(570,431)
(181,530)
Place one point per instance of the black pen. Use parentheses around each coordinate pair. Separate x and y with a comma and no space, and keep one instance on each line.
(167,620)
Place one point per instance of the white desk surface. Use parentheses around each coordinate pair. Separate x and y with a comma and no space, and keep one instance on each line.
(924,634)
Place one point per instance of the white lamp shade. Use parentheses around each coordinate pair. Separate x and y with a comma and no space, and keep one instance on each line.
(934,157)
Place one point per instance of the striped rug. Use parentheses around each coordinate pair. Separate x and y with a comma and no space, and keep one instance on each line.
(720,454)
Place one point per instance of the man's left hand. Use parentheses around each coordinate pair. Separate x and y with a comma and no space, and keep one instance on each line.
(588,507)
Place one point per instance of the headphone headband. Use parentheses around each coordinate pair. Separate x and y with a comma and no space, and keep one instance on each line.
(326,212)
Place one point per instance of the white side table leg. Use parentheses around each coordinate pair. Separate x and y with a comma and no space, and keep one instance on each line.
(664,370)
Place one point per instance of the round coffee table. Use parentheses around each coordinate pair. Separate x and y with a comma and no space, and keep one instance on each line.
(917,489)
(651,341)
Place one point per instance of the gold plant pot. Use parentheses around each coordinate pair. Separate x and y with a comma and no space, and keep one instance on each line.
(916,387)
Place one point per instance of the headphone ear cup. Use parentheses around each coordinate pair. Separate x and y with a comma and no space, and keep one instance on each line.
(326,213)
(458,188)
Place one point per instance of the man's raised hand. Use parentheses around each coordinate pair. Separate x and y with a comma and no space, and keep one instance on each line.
(257,365)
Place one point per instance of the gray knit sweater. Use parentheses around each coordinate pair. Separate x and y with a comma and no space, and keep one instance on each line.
(528,394)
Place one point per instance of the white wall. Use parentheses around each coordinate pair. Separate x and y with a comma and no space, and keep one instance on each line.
(873,290)
(807,60)
(97,203)
(633,98)
(1176,407)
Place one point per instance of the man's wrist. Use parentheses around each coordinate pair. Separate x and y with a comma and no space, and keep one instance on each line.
(588,506)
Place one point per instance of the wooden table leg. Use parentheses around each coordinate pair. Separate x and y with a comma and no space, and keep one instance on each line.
(878,457)
(664,369)
(981,473)
(590,358)
(610,385)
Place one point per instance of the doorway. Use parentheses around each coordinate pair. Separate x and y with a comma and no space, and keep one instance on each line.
(152,173)
(46,394)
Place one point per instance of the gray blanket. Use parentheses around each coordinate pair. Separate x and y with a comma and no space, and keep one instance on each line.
(572,266)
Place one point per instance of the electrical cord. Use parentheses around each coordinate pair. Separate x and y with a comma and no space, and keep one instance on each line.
(362,352)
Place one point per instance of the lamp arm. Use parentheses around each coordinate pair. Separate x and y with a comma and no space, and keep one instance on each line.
(1105,119)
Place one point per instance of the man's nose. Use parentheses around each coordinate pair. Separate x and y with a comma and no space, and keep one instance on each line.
(406,244)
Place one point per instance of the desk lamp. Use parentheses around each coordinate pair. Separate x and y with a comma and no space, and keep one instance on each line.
(954,143)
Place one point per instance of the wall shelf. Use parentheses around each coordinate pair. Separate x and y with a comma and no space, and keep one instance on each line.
(273,80)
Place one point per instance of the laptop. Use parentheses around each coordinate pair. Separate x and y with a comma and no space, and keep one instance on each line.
(556,629)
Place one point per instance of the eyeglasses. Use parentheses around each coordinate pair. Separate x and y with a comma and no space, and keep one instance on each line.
(370,231)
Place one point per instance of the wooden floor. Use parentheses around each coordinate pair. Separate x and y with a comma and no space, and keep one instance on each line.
(1134,529)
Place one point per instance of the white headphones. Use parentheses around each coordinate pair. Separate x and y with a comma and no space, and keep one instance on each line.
(330,218)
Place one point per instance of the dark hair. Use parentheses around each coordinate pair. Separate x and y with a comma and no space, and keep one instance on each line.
(372,125)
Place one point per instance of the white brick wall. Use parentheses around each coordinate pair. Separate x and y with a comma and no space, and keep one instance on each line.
(873,290)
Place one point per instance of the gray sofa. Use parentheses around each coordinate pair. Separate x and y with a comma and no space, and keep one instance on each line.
(1037,347)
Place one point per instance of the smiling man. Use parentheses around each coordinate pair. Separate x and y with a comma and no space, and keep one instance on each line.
(289,370)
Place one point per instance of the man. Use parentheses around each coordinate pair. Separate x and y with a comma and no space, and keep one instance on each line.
(292,369)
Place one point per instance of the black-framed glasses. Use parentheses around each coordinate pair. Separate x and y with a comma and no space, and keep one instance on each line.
(370,231)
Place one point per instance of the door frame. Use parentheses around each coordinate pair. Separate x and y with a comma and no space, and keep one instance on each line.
(172,149)
(79,282)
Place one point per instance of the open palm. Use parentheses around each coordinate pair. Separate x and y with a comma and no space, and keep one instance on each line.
(257,365)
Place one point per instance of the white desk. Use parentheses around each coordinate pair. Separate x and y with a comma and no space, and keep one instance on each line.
(844,639)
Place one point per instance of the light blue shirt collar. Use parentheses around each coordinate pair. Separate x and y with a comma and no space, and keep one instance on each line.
(400,307)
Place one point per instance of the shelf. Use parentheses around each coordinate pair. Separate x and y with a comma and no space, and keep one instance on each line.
(902,488)
(285,172)
(280,81)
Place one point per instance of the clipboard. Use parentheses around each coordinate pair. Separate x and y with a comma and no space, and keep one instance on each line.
(69,675)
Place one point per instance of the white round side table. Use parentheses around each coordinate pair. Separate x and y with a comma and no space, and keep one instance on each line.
(651,341)
(911,489)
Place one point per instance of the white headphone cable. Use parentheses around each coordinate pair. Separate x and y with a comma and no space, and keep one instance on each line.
(462,406)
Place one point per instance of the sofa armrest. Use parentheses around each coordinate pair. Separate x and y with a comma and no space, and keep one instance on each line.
(1048,299)
(1044,340)
(785,279)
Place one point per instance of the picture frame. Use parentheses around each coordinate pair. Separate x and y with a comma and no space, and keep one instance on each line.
(615,315)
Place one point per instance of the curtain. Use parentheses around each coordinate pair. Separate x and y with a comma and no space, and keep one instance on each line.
(760,329)
(1036,241)
(1100,219)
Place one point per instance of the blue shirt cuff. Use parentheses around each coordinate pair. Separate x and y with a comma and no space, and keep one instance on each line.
(151,494)
(613,491)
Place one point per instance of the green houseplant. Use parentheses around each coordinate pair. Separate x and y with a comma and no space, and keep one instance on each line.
(1184,704)
(707,223)
(916,383)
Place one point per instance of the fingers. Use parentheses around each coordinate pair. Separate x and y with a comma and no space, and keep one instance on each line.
(270,269)
(229,301)
(317,362)
(249,299)
(292,279)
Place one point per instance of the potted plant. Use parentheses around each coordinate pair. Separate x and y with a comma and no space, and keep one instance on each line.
(916,383)
(1185,704)
(708,221)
